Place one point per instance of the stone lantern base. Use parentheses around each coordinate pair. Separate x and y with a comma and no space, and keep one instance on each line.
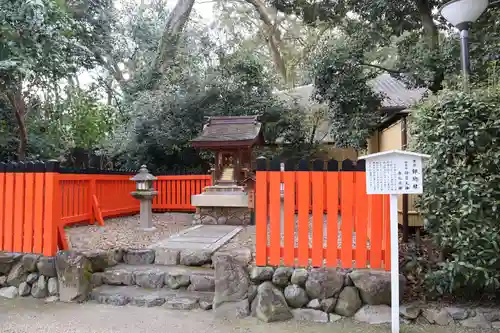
(146,214)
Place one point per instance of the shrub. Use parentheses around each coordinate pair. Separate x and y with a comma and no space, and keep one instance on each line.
(461,196)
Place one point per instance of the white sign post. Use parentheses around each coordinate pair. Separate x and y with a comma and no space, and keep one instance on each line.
(394,172)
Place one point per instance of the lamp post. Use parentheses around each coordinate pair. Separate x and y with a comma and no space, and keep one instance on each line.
(461,13)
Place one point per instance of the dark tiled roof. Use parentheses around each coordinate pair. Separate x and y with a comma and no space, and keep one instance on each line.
(220,129)
(396,94)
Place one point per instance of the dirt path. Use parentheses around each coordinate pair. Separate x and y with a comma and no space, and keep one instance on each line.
(28,315)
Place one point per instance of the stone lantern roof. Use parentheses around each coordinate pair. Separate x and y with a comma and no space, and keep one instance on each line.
(143,175)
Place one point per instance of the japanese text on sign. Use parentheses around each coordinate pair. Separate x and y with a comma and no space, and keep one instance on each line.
(394,175)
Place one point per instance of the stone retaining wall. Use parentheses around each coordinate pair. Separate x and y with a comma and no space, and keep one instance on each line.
(28,275)
(325,295)
(268,293)
(222,215)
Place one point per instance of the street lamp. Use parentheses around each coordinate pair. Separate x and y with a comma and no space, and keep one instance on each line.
(461,13)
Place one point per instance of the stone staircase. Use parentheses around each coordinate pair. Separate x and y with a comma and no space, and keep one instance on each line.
(227,175)
(138,280)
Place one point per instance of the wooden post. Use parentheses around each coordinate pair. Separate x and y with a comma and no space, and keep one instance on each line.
(51,209)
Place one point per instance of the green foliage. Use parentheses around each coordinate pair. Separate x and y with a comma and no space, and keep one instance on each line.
(461,199)
(39,42)
(342,83)
(162,122)
(85,122)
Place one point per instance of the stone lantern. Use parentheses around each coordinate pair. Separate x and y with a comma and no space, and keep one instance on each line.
(145,193)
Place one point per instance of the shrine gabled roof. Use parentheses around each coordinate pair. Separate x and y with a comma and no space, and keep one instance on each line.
(232,131)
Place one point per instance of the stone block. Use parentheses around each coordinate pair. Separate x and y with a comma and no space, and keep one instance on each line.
(191,257)
(118,277)
(202,283)
(261,274)
(282,275)
(324,283)
(164,256)
(32,278)
(16,275)
(151,279)
(348,303)
(299,276)
(147,301)
(47,266)
(176,280)
(7,260)
(24,289)
(39,288)
(233,310)
(310,315)
(375,286)
(295,296)
(374,314)
(74,272)
(101,259)
(53,286)
(232,280)
(9,292)
(181,303)
(270,305)
(29,261)
(139,256)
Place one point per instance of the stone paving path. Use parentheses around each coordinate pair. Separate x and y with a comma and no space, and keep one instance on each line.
(28,315)
(200,237)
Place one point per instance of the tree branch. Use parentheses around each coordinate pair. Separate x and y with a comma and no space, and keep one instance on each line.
(394,71)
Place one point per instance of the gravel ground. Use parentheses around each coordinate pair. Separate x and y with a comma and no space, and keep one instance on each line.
(125,232)
(246,238)
(29,315)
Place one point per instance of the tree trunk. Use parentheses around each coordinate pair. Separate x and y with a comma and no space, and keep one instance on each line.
(274,36)
(169,42)
(432,35)
(17,103)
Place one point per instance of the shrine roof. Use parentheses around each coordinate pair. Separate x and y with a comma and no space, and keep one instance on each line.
(229,131)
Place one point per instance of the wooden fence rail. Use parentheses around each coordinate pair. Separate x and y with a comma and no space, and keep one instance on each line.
(308,229)
(174,192)
(37,200)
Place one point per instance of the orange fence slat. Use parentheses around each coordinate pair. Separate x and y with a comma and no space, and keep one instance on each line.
(332,190)
(261,192)
(289,218)
(8,230)
(29,200)
(38,212)
(376,222)
(361,218)
(275,217)
(318,195)
(346,223)
(304,188)
(2,202)
(49,225)
(18,211)
(387,234)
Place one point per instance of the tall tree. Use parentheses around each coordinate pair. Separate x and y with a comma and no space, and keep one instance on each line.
(39,44)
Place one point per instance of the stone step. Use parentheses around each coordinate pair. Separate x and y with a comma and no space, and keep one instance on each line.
(134,295)
(157,276)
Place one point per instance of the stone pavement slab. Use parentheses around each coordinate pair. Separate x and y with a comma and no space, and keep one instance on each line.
(200,237)
(28,315)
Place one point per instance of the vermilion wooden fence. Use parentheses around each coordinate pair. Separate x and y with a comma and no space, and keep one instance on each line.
(174,192)
(306,227)
(38,199)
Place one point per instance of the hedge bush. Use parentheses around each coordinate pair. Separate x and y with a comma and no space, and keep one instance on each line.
(461,196)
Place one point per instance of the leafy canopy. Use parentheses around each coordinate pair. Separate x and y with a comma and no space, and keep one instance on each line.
(461,197)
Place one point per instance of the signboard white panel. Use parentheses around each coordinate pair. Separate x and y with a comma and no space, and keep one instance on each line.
(396,174)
